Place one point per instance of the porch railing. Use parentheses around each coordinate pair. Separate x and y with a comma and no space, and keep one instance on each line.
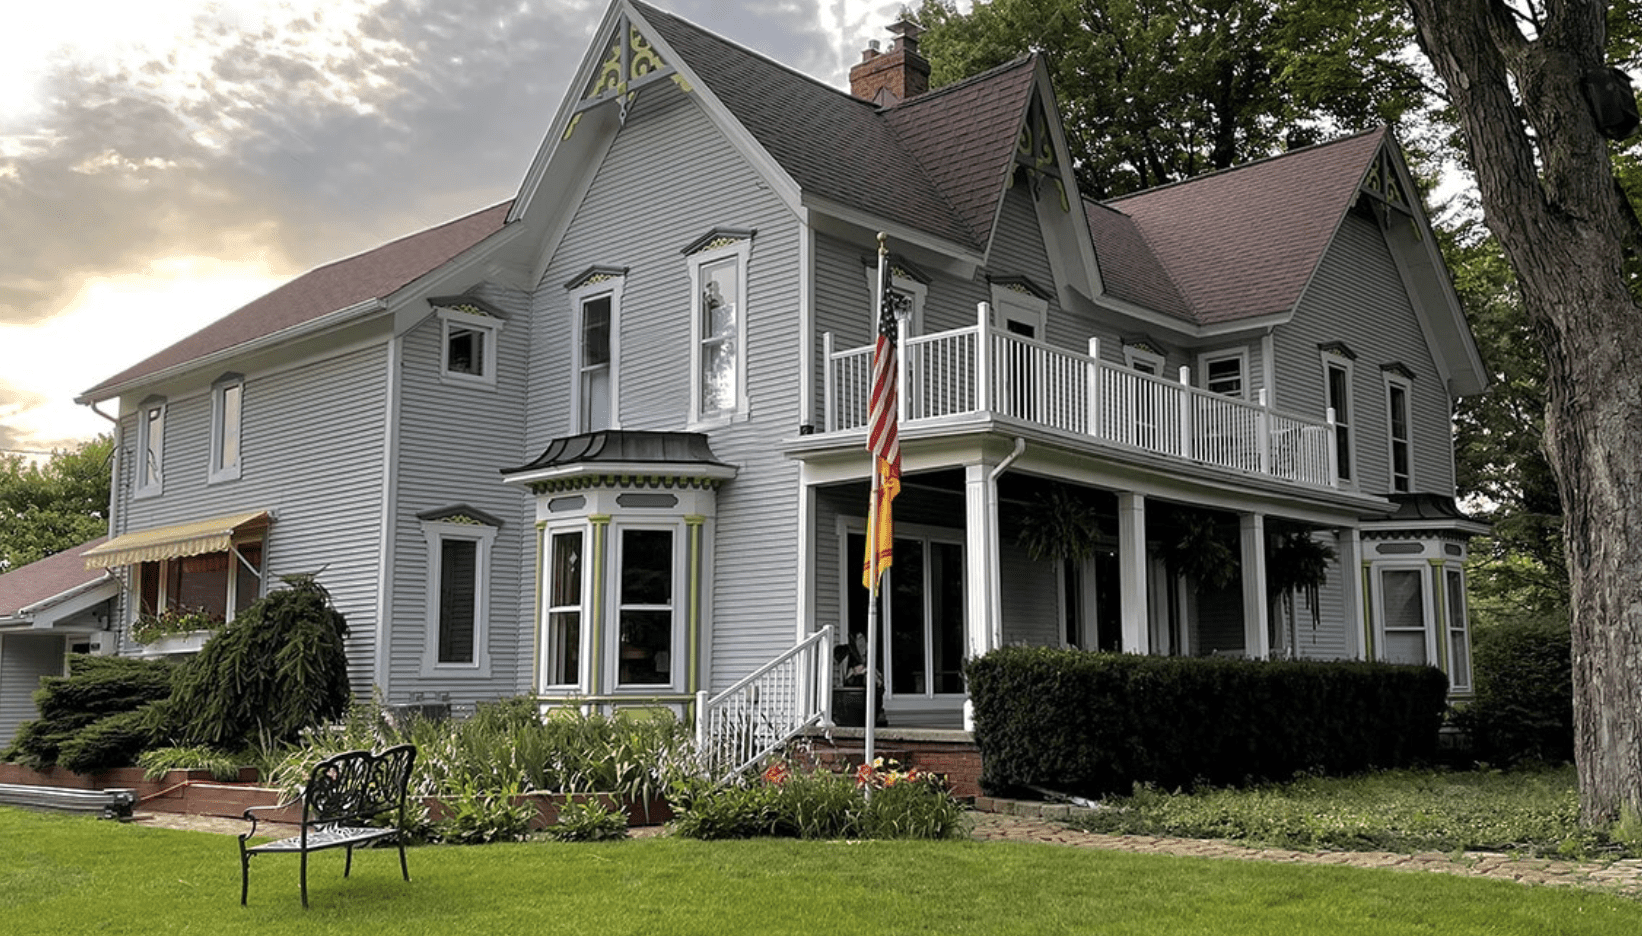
(763,711)
(980,369)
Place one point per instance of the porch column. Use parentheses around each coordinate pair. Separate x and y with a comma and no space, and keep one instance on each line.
(1131,561)
(980,560)
(1348,551)
(1256,630)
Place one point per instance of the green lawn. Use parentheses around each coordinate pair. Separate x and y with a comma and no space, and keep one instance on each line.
(69,875)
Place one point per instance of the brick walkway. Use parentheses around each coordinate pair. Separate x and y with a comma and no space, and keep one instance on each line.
(1621,876)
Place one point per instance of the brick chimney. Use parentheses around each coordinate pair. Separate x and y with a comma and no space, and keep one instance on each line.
(887,78)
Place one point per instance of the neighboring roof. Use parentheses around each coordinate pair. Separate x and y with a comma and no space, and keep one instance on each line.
(849,151)
(60,574)
(1244,242)
(1425,511)
(170,542)
(328,289)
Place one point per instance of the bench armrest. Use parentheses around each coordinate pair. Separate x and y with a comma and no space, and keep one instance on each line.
(250,815)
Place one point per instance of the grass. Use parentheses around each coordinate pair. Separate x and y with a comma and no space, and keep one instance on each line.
(65,875)
(1403,811)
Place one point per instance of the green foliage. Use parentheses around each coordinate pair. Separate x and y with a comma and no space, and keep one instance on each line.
(1059,525)
(1295,563)
(1154,91)
(278,668)
(222,766)
(819,805)
(149,628)
(110,743)
(96,688)
(1522,708)
(1094,723)
(1200,545)
(50,507)
(588,819)
(1400,812)
(485,816)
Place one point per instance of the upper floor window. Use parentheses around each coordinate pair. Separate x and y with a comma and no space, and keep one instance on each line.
(908,288)
(1337,382)
(467,342)
(1397,392)
(459,541)
(227,404)
(150,447)
(1143,357)
(1225,372)
(595,298)
(718,336)
(1020,309)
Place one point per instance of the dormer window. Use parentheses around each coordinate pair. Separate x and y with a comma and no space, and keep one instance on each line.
(467,350)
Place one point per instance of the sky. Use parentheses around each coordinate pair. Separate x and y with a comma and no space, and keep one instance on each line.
(163,162)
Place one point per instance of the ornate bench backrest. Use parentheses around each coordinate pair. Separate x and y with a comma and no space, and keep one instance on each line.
(354,787)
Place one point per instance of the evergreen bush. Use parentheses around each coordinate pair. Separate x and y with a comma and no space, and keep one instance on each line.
(1092,723)
(71,708)
(1522,710)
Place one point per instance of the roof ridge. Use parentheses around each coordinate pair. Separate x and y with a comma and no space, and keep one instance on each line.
(959,85)
(1216,174)
(398,239)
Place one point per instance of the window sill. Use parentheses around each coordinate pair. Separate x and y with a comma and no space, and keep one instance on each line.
(224,476)
(431,671)
(468,381)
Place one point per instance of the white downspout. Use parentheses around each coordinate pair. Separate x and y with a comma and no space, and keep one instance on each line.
(994,563)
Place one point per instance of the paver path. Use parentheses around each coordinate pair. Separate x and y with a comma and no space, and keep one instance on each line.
(1620,876)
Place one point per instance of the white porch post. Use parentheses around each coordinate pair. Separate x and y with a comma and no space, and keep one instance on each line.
(1348,551)
(1256,631)
(980,555)
(1131,561)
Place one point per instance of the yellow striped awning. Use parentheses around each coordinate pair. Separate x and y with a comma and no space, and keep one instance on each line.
(179,539)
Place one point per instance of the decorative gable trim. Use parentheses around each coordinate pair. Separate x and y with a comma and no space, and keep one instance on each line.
(1383,182)
(630,62)
(1037,155)
(596,274)
(461,515)
(1019,284)
(1145,344)
(718,238)
(1336,348)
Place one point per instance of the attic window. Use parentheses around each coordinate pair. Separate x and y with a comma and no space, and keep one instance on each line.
(467,345)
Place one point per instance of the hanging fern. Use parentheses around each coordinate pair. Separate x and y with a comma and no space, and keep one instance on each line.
(1059,525)
(1200,547)
(1295,563)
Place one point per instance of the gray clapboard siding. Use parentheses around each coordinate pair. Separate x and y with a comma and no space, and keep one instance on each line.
(668,178)
(24,659)
(311,452)
(453,441)
(1358,298)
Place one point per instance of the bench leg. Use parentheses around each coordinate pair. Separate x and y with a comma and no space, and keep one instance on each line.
(244,872)
(402,868)
(304,878)
(347,868)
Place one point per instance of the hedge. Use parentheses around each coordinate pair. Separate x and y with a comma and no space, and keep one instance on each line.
(1092,724)
(73,709)
(1522,712)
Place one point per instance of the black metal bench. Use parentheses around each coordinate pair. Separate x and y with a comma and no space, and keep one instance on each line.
(344,796)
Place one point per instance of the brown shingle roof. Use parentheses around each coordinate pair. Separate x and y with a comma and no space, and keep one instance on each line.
(1243,242)
(327,289)
(46,578)
(1129,269)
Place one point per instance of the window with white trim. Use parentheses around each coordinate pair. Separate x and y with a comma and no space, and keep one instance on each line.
(909,293)
(1397,394)
(595,312)
(718,338)
(1404,614)
(565,636)
(459,550)
(150,448)
(1337,382)
(467,345)
(227,406)
(921,644)
(1225,372)
(1459,625)
(220,584)
(1143,359)
(648,626)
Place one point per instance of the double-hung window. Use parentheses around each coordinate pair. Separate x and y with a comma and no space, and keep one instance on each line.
(1397,391)
(595,300)
(562,655)
(1337,381)
(718,336)
(459,541)
(227,406)
(150,447)
(1225,372)
(1405,615)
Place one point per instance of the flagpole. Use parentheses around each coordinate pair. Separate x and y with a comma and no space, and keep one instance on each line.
(870,745)
(883,443)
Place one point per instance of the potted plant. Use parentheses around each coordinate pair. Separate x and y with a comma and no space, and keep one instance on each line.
(173,629)
(849,690)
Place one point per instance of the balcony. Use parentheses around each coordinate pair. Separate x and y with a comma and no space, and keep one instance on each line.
(979,370)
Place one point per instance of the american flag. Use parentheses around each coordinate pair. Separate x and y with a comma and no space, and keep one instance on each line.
(883,438)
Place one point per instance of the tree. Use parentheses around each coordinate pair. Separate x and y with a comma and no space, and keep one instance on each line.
(1155,91)
(50,507)
(1517,79)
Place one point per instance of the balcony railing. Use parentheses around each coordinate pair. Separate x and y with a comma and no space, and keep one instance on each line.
(980,369)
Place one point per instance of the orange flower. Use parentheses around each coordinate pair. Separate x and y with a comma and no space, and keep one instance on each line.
(776,774)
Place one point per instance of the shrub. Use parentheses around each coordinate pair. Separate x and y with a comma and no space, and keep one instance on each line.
(277,668)
(482,816)
(588,819)
(884,803)
(1522,710)
(110,743)
(1096,724)
(223,766)
(97,687)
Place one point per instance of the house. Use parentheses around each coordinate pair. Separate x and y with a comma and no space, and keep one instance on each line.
(49,609)
(603,442)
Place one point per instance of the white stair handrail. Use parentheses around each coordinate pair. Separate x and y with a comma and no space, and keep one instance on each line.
(763,711)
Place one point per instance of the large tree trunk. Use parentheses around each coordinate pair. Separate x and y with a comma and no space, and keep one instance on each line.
(1549,196)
